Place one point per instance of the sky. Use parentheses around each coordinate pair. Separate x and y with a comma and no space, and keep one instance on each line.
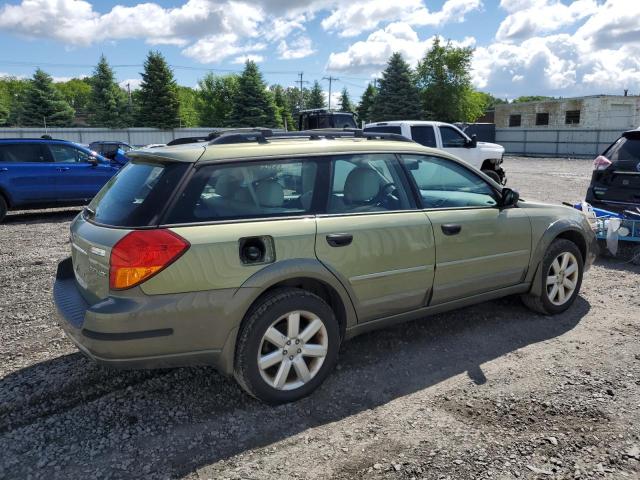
(522,47)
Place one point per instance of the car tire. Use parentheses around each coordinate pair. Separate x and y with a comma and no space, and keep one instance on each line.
(3,208)
(493,175)
(275,360)
(557,295)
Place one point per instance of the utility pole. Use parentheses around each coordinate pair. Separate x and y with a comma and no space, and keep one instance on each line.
(331,80)
(129,91)
(301,82)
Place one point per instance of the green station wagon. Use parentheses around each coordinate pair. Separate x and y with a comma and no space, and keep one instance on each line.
(259,254)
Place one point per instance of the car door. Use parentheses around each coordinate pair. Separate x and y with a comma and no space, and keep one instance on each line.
(373,238)
(480,247)
(27,173)
(455,142)
(79,175)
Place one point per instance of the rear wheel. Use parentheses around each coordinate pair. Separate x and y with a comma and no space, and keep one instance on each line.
(3,208)
(561,278)
(493,175)
(287,346)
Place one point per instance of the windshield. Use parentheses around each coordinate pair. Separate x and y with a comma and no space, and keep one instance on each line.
(625,153)
(137,195)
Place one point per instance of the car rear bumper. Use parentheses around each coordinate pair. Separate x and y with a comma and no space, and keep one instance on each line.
(148,331)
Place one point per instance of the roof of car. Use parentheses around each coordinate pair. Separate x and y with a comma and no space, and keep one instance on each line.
(279,147)
(35,140)
(410,122)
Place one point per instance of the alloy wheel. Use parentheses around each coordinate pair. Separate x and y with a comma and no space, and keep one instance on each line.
(562,278)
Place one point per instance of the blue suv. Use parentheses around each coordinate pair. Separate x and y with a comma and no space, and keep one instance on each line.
(39,173)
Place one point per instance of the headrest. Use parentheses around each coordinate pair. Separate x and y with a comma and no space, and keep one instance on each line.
(362,185)
(270,193)
(227,185)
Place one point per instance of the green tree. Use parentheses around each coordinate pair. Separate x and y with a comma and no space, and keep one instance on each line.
(16,91)
(316,97)
(108,105)
(159,104)
(253,104)
(297,99)
(531,98)
(398,97)
(44,103)
(445,81)
(77,93)
(345,101)
(215,99)
(284,109)
(365,108)
(188,98)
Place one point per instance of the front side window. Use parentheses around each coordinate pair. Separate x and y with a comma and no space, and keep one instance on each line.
(424,135)
(452,138)
(447,184)
(21,152)
(367,183)
(66,154)
(247,190)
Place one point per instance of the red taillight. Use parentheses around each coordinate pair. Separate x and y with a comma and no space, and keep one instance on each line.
(600,163)
(141,254)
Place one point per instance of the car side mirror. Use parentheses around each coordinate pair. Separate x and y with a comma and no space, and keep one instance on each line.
(93,161)
(472,142)
(509,198)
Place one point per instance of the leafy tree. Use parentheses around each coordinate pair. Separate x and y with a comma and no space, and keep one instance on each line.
(215,99)
(365,108)
(253,104)
(316,97)
(77,92)
(297,99)
(16,90)
(108,105)
(159,103)
(345,101)
(398,97)
(44,103)
(445,81)
(531,98)
(490,101)
(188,98)
(284,109)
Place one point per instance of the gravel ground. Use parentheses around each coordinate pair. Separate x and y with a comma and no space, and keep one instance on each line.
(490,391)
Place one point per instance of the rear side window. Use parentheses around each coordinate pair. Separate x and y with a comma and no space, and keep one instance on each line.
(625,153)
(249,190)
(424,135)
(22,152)
(385,129)
(135,197)
(342,120)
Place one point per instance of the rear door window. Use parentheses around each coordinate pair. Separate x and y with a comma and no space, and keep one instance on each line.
(22,152)
(136,196)
(625,154)
(424,135)
(248,190)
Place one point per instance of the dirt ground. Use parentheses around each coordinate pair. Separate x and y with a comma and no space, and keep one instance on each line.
(490,391)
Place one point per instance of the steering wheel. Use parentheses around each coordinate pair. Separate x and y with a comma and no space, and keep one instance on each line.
(385,192)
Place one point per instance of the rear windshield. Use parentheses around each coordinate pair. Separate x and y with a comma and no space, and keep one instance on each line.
(137,195)
(385,129)
(343,121)
(625,153)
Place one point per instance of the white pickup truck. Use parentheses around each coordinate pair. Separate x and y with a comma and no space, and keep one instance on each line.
(444,136)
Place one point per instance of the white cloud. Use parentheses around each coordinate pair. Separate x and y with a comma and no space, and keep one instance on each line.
(133,83)
(245,58)
(353,18)
(300,47)
(371,55)
(529,18)
(215,48)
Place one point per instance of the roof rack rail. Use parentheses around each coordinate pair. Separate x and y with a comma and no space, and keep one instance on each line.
(263,135)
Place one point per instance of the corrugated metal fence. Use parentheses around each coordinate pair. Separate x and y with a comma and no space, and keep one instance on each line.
(132,136)
(555,143)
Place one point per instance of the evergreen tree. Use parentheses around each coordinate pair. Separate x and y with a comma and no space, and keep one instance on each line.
(284,109)
(215,99)
(159,104)
(445,81)
(253,104)
(398,97)
(345,101)
(44,103)
(365,108)
(108,104)
(316,97)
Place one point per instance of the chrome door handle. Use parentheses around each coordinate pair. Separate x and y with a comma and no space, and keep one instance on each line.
(4,169)
(62,169)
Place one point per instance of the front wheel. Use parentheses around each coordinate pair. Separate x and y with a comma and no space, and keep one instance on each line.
(287,346)
(562,269)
